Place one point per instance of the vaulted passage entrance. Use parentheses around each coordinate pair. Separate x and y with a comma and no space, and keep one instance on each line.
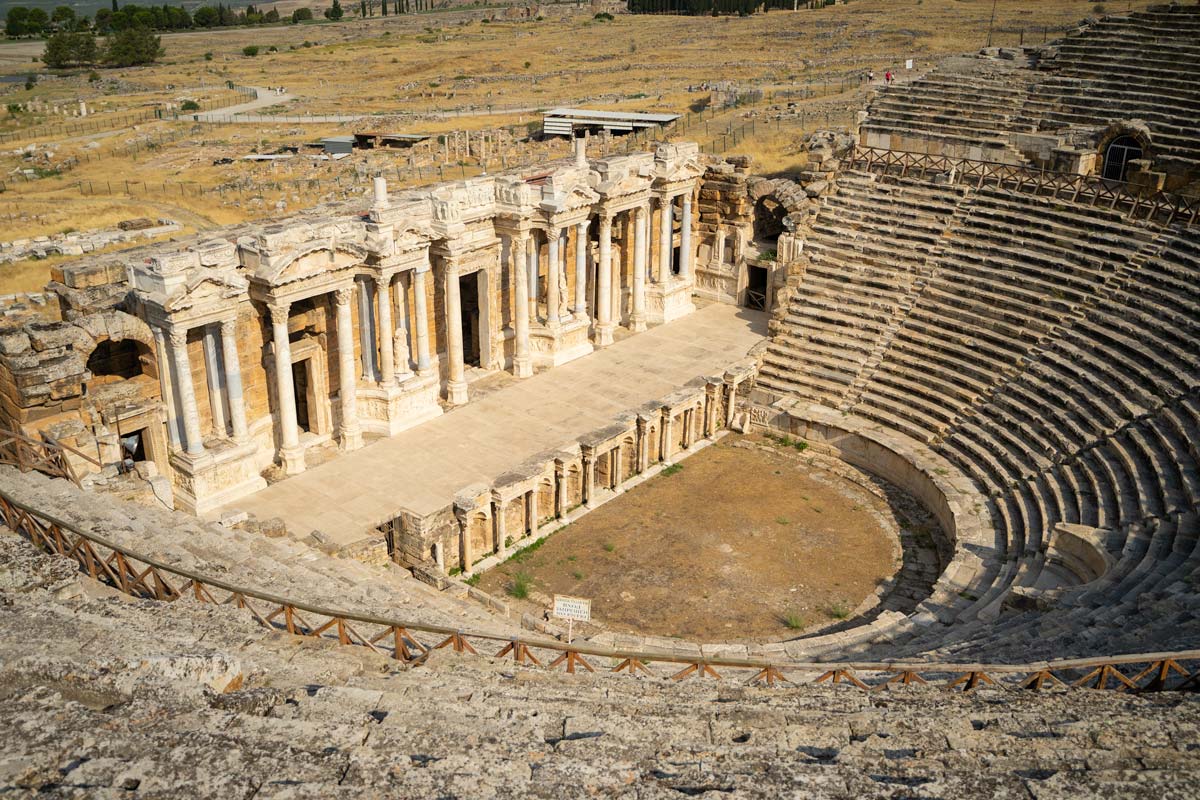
(1120,152)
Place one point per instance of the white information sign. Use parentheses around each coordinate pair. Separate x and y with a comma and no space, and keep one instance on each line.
(908,64)
(572,608)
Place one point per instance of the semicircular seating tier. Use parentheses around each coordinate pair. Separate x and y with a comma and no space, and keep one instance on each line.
(1134,71)
(1051,352)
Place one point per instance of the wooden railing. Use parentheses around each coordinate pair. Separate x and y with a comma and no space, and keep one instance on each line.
(1161,207)
(47,455)
(412,642)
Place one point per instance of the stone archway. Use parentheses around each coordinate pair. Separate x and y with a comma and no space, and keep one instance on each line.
(1122,143)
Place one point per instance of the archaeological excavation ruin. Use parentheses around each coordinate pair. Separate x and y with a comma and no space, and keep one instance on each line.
(264,467)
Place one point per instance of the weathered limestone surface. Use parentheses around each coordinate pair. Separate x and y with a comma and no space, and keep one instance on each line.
(107,697)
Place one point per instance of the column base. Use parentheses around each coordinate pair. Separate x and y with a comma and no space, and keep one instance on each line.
(668,302)
(522,367)
(350,439)
(555,345)
(604,335)
(637,322)
(218,476)
(292,459)
(456,392)
(387,410)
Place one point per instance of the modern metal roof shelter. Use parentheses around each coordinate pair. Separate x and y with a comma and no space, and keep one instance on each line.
(567,121)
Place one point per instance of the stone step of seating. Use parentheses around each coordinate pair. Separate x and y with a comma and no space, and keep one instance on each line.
(286,567)
(336,722)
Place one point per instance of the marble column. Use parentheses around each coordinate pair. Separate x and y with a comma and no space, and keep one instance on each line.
(351,432)
(212,374)
(581,253)
(666,234)
(589,480)
(560,490)
(289,433)
(233,379)
(730,402)
(533,267)
(421,312)
(637,317)
(400,357)
(522,362)
(685,239)
(532,510)
(166,383)
(667,439)
(552,270)
(366,330)
(499,518)
(464,546)
(387,333)
(456,383)
(187,393)
(604,325)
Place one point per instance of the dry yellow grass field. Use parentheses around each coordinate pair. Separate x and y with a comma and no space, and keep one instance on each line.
(411,70)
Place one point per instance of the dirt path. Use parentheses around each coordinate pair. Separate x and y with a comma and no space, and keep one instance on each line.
(742,543)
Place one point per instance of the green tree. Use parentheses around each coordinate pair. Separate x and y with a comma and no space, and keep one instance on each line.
(63,17)
(36,22)
(301,15)
(70,50)
(271,16)
(206,17)
(14,21)
(334,11)
(132,47)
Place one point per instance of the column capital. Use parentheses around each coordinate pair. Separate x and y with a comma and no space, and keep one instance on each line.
(343,295)
(279,311)
(605,218)
(178,336)
(228,326)
(382,281)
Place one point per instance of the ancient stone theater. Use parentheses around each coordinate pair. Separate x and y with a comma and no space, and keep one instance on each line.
(265,468)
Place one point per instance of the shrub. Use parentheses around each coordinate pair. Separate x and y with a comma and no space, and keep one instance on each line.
(838,610)
(250,50)
(208,56)
(519,588)
(672,470)
(189,105)
(603,16)
(473,580)
(301,15)
(792,619)
(577,575)
(1098,8)
(93,76)
(272,49)
(609,547)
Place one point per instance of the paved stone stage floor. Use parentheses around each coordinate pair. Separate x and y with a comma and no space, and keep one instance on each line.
(421,469)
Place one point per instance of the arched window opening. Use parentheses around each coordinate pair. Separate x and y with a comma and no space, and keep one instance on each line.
(117,360)
(768,221)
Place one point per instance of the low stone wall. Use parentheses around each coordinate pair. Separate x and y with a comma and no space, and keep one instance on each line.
(535,497)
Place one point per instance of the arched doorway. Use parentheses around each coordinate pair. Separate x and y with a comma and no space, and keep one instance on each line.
(1118,154)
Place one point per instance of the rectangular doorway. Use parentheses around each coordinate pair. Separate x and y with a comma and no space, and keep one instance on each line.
(468,292)
(300,390)
(756,288)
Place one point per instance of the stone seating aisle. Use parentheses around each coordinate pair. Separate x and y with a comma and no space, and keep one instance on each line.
(107,697)
(866,259)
